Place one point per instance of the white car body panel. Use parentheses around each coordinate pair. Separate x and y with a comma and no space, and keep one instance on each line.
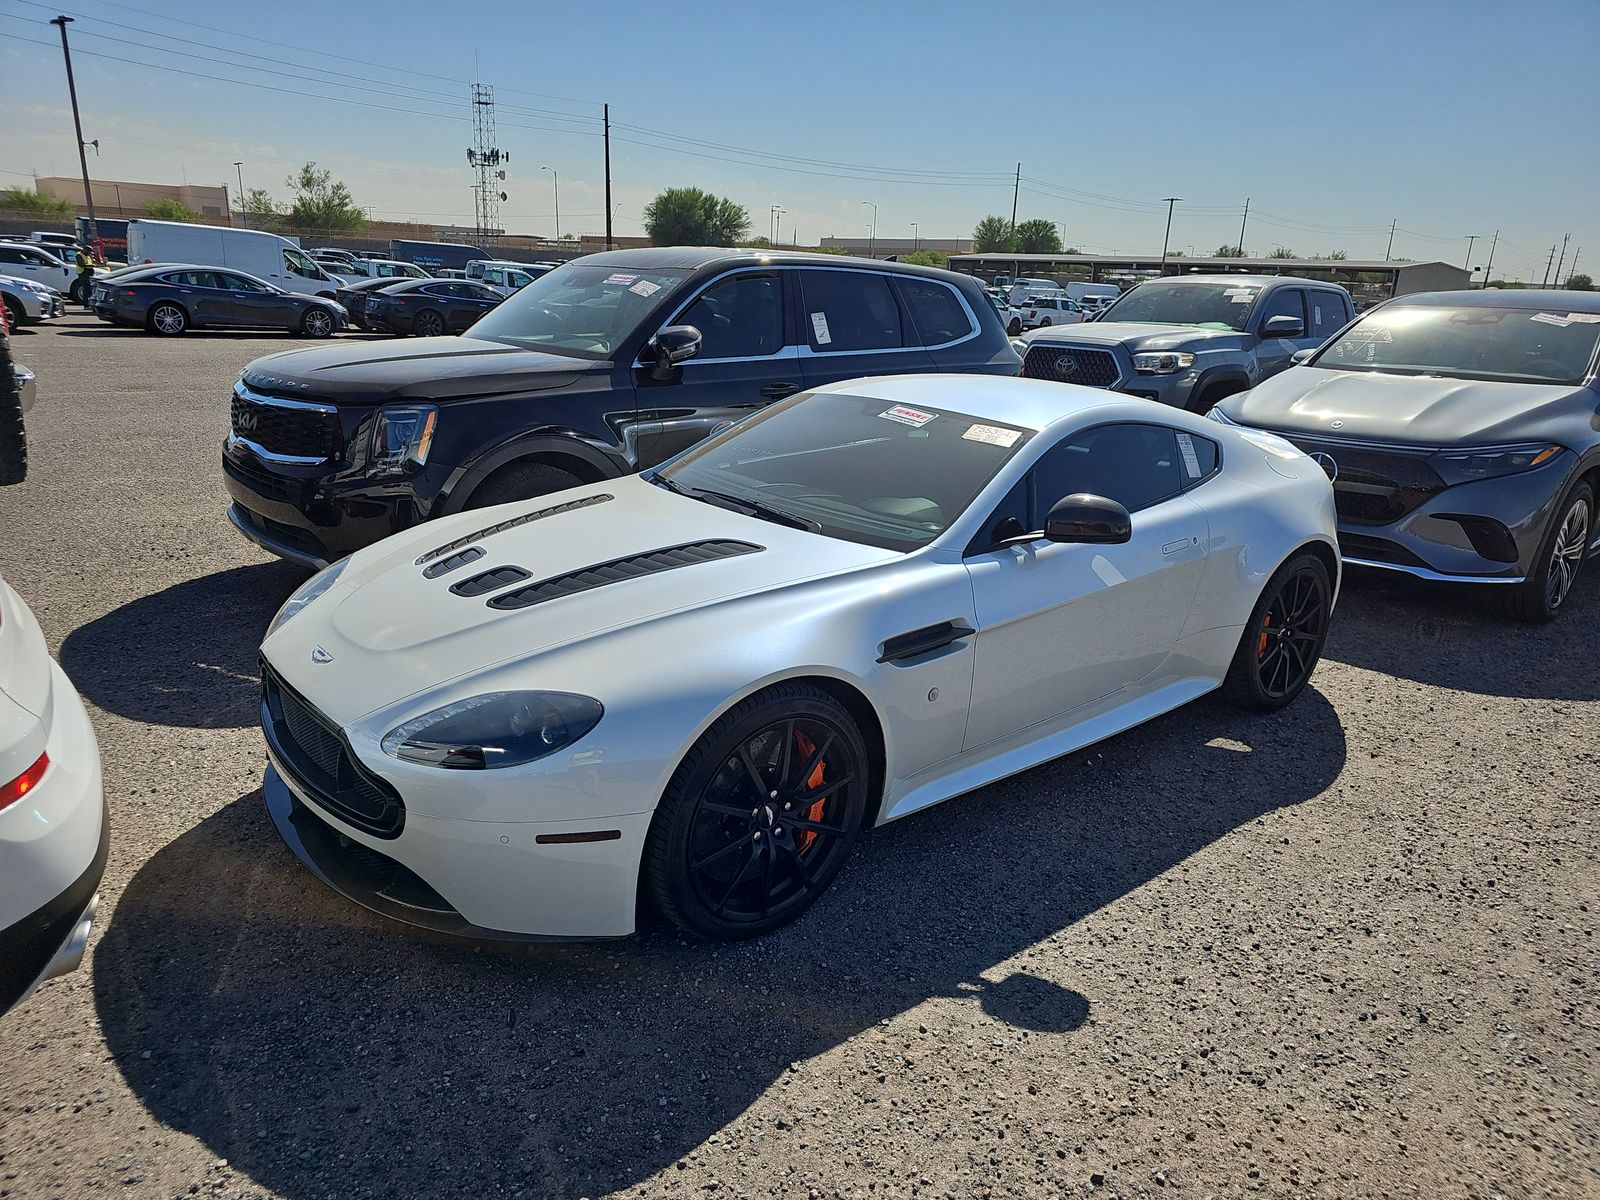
(39,264)
(1136,629)
(35,305)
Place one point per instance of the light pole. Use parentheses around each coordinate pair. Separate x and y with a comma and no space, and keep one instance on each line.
(238,166)
(1471,237)
(1170,201)
(872,240)
(916,237)
(83,159)
(557,179)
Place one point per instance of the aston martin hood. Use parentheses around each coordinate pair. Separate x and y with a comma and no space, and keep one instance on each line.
(552,572)
(442,368)
(1134,335)
(1417,409)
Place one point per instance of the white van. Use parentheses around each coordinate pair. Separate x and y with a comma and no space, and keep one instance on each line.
(267,256)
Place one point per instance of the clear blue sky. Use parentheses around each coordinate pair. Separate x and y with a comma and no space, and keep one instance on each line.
(1454,117)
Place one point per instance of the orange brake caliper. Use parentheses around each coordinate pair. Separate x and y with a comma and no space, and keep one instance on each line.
(1261,647)
(804,837)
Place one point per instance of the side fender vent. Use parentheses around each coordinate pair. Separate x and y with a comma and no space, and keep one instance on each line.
(489,581)
(618,570)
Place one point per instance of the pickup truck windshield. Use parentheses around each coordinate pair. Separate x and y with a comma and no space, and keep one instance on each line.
(578,309)
(1181,302)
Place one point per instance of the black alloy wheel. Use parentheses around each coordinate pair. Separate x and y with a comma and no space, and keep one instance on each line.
(760,816)
(1283,639)
(428,324)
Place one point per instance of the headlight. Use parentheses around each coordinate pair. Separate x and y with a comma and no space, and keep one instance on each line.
(1464,466)
(306,593)
(498,729)
(401,435)
(1162,362)
(28,285)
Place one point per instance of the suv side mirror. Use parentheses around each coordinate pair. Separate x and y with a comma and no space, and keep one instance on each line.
(1283,327)
(1084,517)
(673,345)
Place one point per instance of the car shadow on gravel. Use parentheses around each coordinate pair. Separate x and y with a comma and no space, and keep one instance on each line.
(1455,636)
(185,655)
(324,1051)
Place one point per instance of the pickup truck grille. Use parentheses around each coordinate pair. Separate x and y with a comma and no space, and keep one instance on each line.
(1071,364)
(295,429)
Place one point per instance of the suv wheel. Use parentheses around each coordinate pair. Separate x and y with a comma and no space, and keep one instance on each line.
(1555,568)
(522,481)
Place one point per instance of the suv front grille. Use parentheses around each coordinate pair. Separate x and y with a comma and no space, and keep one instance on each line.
(1376,485)
(297,430)
(314,751)
(1071,364)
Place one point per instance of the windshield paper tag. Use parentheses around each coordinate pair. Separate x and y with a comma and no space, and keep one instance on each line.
(819,327)
(906,416)
(992,435)
(621,277)
(1551,319)
(1191,464)
(1584,318)
(645,288)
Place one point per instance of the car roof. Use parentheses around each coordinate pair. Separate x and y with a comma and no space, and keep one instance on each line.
(1536,298)
(1034,404)
(694,257)
(1260,281)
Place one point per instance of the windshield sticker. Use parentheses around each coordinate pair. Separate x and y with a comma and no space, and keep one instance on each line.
(819,328)
(645,288)
(1238,294)
(992,435)
(621,277)
(1191,464)
(1550,319)
(1584,318)
(1242,297)
(914,417)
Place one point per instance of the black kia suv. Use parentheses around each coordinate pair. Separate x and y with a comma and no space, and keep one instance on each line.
(604,366)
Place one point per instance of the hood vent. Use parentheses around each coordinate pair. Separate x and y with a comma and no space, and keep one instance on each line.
(618,570)
(537,515)
(461,559)
(489,581)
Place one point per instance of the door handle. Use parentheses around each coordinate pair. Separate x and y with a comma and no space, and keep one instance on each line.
(777,391)
(1180,544)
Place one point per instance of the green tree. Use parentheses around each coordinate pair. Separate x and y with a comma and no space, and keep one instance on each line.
(1579,283)
(830,250)
(39,204)
(260,210)
(319,201)
(1228,252)
(168,209)
(993,236)
(757,243)
(925,258)
(688,216)
(1282,252)
(1038,236)
(1336,256)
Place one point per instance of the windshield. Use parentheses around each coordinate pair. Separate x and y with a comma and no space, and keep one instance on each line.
(1187,302)
(852,467)
(579,309)
(1517,344)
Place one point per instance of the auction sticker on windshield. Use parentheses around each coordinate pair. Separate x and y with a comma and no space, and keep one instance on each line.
(645,288)
(621,277)
(992,435)
(916,418)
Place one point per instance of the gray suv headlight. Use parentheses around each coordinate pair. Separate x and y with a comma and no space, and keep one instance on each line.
(1464,466)
(401,435)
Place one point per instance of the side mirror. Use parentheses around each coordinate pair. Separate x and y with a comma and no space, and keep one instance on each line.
(1300,357)
(1283,327)
(673,345)
(1084,517)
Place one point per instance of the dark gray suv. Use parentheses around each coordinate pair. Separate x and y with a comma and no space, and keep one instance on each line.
(1190,340)
(1462,431)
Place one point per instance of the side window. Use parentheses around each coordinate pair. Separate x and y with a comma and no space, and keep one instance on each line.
(1285,302)
(478,292)
(1135,465)
(239,283)
(7,254)
(1328,314)
(739,317)
(849,310)
(936,311)
(299,264)
(1198,455)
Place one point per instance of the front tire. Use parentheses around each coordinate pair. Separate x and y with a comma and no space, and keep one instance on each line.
(428,323)
(759,816)
(522,481)
(1283,638)
(79,291)
(167,319)
(1560,558)
(1015,327)
(14,314)
(13,437)
(316,323)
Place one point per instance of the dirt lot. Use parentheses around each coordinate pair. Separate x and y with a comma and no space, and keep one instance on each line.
(1346,951)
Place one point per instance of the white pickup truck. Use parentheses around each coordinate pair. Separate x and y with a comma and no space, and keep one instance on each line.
(1036,311)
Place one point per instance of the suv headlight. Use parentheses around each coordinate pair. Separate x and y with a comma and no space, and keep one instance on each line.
(1162,362)
(498,729)
(401,435)
(306,593)
(1465,466)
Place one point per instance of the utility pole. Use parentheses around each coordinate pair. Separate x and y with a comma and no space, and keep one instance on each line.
(556,176)
(1490,266)
(872,241)
(1243,221)
(1015,188)
(916,238)
(1562,260)
(83,159)
(1471,237)
(1573,269)
(1167,236)
(609,209)
(1389,251)
(776,217)
(1547,264)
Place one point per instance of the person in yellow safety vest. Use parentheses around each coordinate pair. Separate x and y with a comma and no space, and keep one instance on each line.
(85,265)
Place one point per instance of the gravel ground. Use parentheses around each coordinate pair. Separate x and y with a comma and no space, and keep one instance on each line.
(1345,951)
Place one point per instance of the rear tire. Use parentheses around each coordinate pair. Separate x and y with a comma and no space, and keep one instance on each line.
(428,323)
(79,291)
(1015,327)
(14,314)
(1044,322)
(522,481)
(1282,641)
(167,319)
(316,323)
(13,437)
(1559,561)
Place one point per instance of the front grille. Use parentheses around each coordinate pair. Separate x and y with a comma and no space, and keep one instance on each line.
(314,751)
(264,483)
(301,432)
(1376,485)
(1071,364)
(619,570)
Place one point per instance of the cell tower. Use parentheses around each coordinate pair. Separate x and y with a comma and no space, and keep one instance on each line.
(487,159)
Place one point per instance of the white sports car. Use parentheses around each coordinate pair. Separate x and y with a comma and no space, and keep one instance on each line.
(698,685)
